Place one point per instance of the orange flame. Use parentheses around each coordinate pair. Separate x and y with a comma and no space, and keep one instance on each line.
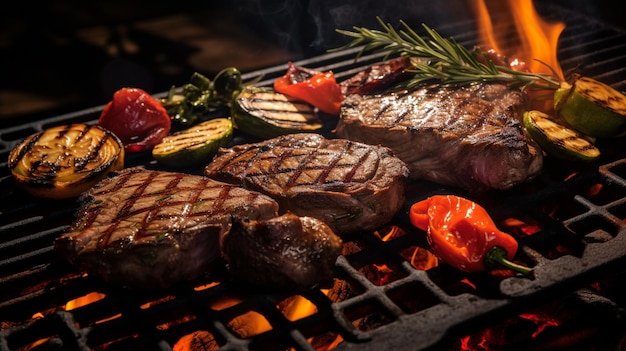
(537,40)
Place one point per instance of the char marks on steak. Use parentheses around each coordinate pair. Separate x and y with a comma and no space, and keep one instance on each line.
(151,229)
(351,186)
(377,78)
(469,136)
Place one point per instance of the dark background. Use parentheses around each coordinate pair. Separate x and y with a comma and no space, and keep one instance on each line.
(67,55)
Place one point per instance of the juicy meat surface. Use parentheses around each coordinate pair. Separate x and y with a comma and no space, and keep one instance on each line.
(470,137)
(377,78)
(351,186)
(287,252)
(151,229)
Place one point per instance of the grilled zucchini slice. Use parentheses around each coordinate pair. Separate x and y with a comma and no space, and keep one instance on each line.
(558,140)
(64,161)
(194,146)
(265,113)
(592,107)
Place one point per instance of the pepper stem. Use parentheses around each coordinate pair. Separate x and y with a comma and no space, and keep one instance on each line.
(497,256)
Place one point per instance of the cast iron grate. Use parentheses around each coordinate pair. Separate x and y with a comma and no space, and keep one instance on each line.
(579,211)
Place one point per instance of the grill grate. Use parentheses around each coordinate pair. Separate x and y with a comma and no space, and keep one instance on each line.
(581,238)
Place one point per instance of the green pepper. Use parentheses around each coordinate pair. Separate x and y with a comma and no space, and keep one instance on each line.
(200,81)
(201,95)
(227,83)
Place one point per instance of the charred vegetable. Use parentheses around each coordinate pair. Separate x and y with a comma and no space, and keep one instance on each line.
(201,96)
(194,146)
(227,83)
(319,89)
(265,113)
(64,161)
(463,235)
(137,118)
(558,140)
(592,107)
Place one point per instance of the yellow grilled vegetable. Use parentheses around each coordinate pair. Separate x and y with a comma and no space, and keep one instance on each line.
(558,140)
(265,113)
(194,146)
(64,161)
(592,107)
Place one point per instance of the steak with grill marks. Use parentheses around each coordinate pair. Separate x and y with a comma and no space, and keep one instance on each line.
(349,185)
(151,229)
(470,137)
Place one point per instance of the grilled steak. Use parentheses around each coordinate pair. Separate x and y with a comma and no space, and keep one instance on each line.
(350,186)
(286,252)
(377,78)
(470,137)
(151,229)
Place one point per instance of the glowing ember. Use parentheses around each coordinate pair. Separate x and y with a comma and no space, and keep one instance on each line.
(520,227)
(299,308)
(87,299)
(249,324)
(200,340)
(394,232)
(510,332)
(594,190)
(419,257)
(423,259)
(205,286)
(84,300)
(246,325)
(468,282)
(542,322)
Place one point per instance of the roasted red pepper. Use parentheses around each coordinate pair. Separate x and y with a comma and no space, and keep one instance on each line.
(319,89)
(463,234)
(137,118)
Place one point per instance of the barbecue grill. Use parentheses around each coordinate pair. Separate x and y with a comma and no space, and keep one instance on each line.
(578,211)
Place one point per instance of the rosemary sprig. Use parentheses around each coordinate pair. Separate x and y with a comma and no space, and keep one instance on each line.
(441,59)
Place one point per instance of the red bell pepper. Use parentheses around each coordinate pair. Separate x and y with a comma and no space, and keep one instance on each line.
(137,118)
(319,89)
(463,234)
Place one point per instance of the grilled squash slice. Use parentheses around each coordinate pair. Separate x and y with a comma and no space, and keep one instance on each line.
(592,107)
(558,140)
(194,146)
(64,161)
(265,113)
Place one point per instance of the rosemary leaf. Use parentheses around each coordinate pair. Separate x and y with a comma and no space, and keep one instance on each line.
(441,59)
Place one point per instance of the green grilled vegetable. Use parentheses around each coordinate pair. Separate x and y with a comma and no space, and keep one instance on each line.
(265,113)
(558,140)
(201,96)
(592,107)
(227,83)
(195,146)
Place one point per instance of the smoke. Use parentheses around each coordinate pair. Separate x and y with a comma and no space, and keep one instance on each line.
(308,27)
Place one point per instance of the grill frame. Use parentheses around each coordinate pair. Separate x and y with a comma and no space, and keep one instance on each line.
(37,280)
